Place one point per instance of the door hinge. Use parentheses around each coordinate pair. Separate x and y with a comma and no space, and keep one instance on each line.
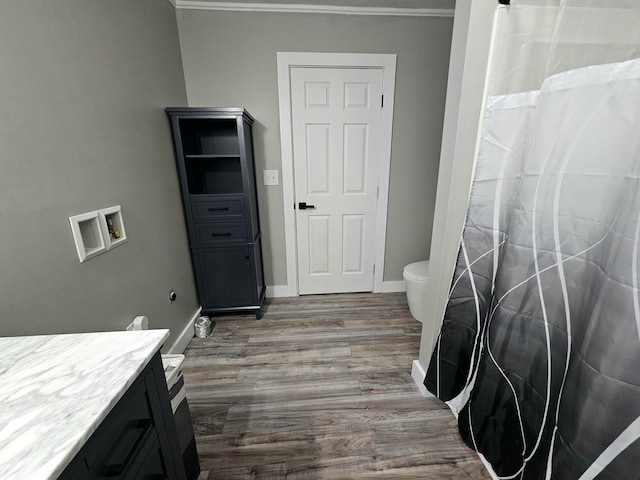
(374,268)
(382,102)
(377,192)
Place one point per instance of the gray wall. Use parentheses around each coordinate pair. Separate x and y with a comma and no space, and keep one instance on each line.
(82,127)
(230,60)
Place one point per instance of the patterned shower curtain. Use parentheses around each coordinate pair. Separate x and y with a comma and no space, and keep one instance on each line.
(539,351)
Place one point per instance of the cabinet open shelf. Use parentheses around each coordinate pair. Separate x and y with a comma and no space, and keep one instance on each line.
(201,136)
(213,174)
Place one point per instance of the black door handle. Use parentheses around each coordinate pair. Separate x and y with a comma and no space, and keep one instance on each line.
(304,206)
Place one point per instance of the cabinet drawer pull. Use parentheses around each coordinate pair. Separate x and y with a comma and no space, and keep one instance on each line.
(116,470)
(228,234)
(218,209)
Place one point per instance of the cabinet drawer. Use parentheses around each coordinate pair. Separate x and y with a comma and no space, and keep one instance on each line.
(224,208)
(128,430)
(220,233)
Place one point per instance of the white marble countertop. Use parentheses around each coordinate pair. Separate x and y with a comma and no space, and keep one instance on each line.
(55,390)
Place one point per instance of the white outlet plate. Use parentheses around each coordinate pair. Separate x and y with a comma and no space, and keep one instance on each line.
(271,177)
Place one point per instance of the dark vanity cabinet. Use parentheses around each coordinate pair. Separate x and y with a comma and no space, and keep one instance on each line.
(137,439)
(214,156)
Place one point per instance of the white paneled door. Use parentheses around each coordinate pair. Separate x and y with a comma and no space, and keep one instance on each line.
(336,118)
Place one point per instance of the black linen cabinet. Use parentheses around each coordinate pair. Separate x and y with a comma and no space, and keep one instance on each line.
(214,157)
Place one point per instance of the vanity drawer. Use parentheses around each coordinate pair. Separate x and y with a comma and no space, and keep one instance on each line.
(227,208)
(130,426)
(220,233)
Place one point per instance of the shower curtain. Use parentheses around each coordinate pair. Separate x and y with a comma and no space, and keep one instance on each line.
(539,351)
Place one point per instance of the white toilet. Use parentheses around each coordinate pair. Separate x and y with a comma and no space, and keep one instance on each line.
(415,278)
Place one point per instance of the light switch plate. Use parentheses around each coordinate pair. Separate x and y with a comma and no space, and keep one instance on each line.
(271,177)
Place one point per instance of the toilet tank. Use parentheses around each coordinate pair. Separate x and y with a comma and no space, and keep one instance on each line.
(415,278)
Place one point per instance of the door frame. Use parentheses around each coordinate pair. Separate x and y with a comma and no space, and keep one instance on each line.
(285,62)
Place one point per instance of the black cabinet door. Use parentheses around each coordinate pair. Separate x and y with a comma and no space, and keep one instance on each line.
(227,277)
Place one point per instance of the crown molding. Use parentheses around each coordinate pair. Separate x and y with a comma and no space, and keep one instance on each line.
(294,8)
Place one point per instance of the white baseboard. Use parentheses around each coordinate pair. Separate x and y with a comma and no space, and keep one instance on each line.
(180,345)
(392,286)
(418,374)
(274,291)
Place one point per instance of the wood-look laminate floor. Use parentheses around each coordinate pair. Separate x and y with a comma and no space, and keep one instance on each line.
(320,387)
